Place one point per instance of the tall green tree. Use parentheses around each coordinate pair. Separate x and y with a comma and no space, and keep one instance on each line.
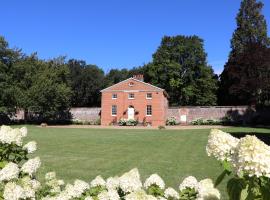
(86,83)
(8,100)
(116,75)
(179,66)
(49,94)
(251,31)
(251,27)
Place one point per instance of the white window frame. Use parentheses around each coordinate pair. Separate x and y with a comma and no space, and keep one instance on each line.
(131,97)
(114,111)
(147,106)
(149,97)
(114,94)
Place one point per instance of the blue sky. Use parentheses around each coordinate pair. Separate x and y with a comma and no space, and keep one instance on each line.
(118,33)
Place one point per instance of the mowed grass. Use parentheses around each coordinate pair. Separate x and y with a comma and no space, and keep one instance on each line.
(86,153)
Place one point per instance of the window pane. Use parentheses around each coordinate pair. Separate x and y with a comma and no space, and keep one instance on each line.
(114,110)
(131,95)
(149,95)
(148,110)
(114,96)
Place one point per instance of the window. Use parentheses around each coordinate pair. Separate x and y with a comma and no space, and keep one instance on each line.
(131,84)
(114,110)
(114,96)
(131,96)
(148,110)
(149,96)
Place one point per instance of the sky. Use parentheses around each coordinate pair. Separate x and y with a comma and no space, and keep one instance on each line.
(118,33)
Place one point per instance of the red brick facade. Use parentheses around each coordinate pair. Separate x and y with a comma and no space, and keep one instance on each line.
(135,99)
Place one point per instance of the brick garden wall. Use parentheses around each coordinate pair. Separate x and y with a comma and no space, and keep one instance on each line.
(190,113)
(184,114)
(85,114)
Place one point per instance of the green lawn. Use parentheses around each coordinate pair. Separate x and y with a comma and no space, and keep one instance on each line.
(86,153)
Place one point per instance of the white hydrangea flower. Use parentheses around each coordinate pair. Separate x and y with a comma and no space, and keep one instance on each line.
(62,196)
(112,183)
(71,192)
(139,195)
(109,195)
(23,131)
(76,190)
(189,182)
(9,172)
(12,191)
(206,190)
(88,198)
(50,176)
(221,145)
(98,181)
(154,179)
(31,166)
(32,183)
(9,135)
(252,157)
(31,147)
(81,186)
(171,193)
(28,192)
(130,181)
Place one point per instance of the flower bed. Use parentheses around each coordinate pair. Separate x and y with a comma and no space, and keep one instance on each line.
(246,160)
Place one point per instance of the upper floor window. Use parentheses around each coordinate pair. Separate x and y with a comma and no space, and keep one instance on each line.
(149,96)
(114,96)
(114,110)
(131,96)
(131,84)
(149,110)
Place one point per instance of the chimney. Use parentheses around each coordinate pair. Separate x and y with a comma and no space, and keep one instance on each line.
(139,77)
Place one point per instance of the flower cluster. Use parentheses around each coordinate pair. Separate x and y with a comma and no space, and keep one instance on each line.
(221,145)
(248,155)
(201,190)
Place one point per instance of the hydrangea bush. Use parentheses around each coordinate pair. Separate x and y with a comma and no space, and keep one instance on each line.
(247,163)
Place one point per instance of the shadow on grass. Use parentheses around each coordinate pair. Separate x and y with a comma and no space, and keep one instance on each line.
(265,137)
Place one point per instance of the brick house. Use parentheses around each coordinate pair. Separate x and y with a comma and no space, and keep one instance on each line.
(134,99)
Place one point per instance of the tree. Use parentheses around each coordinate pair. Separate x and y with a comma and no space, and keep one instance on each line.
(179,66)
(251,27)
(86,83)
(115,76)
(249,76)
(251,32)
(49,94)
(8,92)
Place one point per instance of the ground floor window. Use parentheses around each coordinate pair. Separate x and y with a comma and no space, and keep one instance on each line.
(148,110)
(114,110)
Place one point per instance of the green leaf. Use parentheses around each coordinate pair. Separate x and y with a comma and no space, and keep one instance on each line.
(221,177)
(234,188)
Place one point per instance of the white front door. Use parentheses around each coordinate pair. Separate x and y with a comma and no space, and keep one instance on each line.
(131,113)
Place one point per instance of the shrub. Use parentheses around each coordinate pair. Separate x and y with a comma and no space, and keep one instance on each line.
(127,122)
(245,161)
(201,121)
(171,121)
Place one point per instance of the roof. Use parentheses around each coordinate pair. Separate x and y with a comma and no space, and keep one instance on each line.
(155,88)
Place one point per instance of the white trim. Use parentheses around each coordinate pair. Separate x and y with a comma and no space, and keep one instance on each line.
(159,89)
